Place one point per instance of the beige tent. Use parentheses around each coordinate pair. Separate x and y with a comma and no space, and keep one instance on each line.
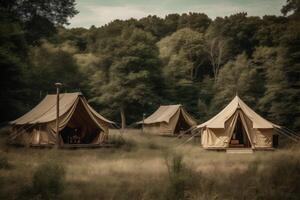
(237,125)
(168,120)
(78,123)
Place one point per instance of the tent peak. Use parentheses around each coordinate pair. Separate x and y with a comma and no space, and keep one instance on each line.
(172,105)
(163,114)
(68,93)
(218,121)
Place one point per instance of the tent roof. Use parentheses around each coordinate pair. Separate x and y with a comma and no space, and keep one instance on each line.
(163,114)
(218,121)
(45,111)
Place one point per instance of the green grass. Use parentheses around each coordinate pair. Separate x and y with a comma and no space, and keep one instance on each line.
(144,167)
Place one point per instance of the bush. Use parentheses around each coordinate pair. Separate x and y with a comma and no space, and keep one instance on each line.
(178,178)
(48,181)
(281,180)
(4,164)
(153,145)
(118,141)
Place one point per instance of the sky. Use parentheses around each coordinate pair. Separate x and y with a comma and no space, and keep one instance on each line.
(101,12)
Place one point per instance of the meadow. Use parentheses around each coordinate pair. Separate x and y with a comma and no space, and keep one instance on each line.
(145,167)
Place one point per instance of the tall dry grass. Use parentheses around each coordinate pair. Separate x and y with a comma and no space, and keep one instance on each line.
(144,167)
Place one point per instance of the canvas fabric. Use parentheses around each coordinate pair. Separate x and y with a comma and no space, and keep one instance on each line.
(217,132)
(218,121)
(38,126)
(164,120)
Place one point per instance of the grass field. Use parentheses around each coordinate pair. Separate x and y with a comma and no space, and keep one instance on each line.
(145,167)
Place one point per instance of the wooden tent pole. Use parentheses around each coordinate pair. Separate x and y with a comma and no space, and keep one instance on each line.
(57,85)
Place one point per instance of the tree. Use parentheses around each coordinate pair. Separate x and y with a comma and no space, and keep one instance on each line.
(274,102)
(55,11)
(13,47)
(293,7)
(50,64)
(217,50)
(239,30)
(129,81)
(24,23)
(195,21)
(155,25)
(270,30)
(281,66)
(183,54)
(237,77)
(38,17)
(184,58)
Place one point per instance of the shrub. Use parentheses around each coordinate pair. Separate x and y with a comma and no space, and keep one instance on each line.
(4,164)
(281,180)
(178,178)
(153,145)
(118,141)
(48,181)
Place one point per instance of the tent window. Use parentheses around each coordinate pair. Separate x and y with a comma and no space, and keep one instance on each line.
(239,136)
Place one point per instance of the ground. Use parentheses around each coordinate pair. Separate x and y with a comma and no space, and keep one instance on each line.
(143,167)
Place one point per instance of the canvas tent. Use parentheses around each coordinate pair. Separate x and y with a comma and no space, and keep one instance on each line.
(78,123)
(237,125)
(168,120)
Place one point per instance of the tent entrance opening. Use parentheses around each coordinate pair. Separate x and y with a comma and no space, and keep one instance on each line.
(81,129)
(181,125)
(77,136)
(239,137)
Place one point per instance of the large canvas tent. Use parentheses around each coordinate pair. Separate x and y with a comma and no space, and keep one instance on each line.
(237,125)
(168,120)
(79,123)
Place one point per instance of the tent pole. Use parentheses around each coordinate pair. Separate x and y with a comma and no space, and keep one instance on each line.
(57,85)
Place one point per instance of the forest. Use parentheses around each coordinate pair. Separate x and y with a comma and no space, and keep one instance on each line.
(130,67)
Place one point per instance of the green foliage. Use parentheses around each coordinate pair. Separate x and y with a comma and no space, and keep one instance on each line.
(23,23)
(183,54)
(132,66)
(60,66)
(130,76)
(56,11)
(195,21)
(237,77)
(184,57)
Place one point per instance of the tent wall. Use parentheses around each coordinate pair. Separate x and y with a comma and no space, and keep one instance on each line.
(37,135)
(220,137)
(263,138)
(75,113)
(163,128)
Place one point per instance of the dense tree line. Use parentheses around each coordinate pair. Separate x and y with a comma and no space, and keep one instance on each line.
(130,67)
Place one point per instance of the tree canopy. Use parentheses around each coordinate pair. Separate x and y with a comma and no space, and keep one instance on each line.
(133,66)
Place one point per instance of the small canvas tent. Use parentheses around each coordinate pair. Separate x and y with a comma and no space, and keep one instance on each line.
(78,123)
(168,120)
(237,125)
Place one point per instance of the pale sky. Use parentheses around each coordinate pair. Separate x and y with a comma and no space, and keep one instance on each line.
(101,12)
